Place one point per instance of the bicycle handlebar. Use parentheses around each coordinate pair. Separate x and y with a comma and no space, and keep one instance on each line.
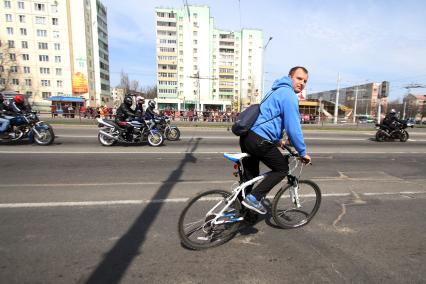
(290,150)
(295,154)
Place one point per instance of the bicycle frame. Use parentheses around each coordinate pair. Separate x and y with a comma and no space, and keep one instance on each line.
(291,179)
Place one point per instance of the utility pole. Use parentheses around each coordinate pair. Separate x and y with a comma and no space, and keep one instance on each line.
(355,103)
(336,107)
(379,101)
(263,66)
(405,104)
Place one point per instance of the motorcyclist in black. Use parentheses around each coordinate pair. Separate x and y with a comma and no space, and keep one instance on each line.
(18,105)
(150,113)
(392,121)
(125,112)
(4,122)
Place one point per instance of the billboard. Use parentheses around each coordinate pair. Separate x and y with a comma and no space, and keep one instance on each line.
(79,78)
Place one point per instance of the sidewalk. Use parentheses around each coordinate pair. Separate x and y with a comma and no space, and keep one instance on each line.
(204,124)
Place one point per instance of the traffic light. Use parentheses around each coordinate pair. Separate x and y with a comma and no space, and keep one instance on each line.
(384,92)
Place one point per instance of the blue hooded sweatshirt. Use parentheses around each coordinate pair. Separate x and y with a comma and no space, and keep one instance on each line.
(279,112)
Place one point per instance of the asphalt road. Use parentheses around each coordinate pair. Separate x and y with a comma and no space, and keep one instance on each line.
(77,212)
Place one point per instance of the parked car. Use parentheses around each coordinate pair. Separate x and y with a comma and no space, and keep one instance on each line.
(365,119)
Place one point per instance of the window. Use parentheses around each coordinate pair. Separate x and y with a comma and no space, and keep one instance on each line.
(7,4)
(12,56)
(11,43)
(25,57)
(57,46)
(15,81)
(39,7)
(27,82)
(59,71)
(9,30)
(24,44)
(42,45)
(44,70)
(55,21)
(45,83)
(55,34)
(42,33)
(59,83)
(13,69)
(54,8)
(45,95)
(43,57)
(21,5)
(40,20)
(8,18)
(22,18)
(23,31)
(2,81)
(26,69)
(57,59)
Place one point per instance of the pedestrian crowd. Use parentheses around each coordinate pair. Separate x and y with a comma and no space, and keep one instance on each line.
(211,115)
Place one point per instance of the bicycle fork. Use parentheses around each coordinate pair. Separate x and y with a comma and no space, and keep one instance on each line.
(294,191)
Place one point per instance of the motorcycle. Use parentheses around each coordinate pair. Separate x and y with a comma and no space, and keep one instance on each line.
(170,132)
(29,126)
(110,132)
(385,133)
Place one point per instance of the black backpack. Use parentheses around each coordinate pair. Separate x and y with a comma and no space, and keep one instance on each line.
(247,118)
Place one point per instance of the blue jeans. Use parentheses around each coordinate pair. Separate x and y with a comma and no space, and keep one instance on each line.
(4,124)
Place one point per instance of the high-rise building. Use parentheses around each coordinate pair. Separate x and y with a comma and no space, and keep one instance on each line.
(200,67)
(54,48)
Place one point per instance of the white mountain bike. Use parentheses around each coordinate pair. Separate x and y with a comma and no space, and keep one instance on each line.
(213,217)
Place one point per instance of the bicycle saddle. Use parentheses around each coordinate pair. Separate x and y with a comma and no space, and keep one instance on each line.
(235,157)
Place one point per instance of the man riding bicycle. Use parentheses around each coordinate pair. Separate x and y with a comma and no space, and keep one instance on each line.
(278,113)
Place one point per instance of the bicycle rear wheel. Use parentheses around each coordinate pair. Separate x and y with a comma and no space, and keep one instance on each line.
(284,209)
(195,227)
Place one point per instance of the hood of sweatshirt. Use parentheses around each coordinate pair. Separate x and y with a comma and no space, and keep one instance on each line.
(284,81)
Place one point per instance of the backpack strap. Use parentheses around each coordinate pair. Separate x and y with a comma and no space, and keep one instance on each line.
(264,99)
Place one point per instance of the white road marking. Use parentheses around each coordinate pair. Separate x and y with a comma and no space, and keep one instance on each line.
(116,184)
(59,152)
(168,200)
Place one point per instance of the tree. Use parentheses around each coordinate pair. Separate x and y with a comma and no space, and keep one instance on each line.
(124,82)
(150,92)
(134,86)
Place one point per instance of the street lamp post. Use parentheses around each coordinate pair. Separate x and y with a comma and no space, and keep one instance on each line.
(263,65)
(336,107)
(355,103)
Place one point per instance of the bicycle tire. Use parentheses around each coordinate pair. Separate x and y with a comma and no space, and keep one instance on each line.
(224,233)
(284,211)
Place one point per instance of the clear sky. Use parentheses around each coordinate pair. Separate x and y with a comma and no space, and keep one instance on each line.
(363,40)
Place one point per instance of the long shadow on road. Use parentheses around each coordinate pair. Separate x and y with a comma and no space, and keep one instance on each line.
(119,258)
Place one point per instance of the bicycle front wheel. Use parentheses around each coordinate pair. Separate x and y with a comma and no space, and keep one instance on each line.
(285,210)
(195,227)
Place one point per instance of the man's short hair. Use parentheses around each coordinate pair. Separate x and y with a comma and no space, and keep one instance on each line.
(292,70)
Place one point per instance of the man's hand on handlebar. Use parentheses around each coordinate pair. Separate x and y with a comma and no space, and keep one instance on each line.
(306,159)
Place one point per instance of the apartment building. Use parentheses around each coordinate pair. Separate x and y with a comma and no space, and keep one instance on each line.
(204,68)
(54,48)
